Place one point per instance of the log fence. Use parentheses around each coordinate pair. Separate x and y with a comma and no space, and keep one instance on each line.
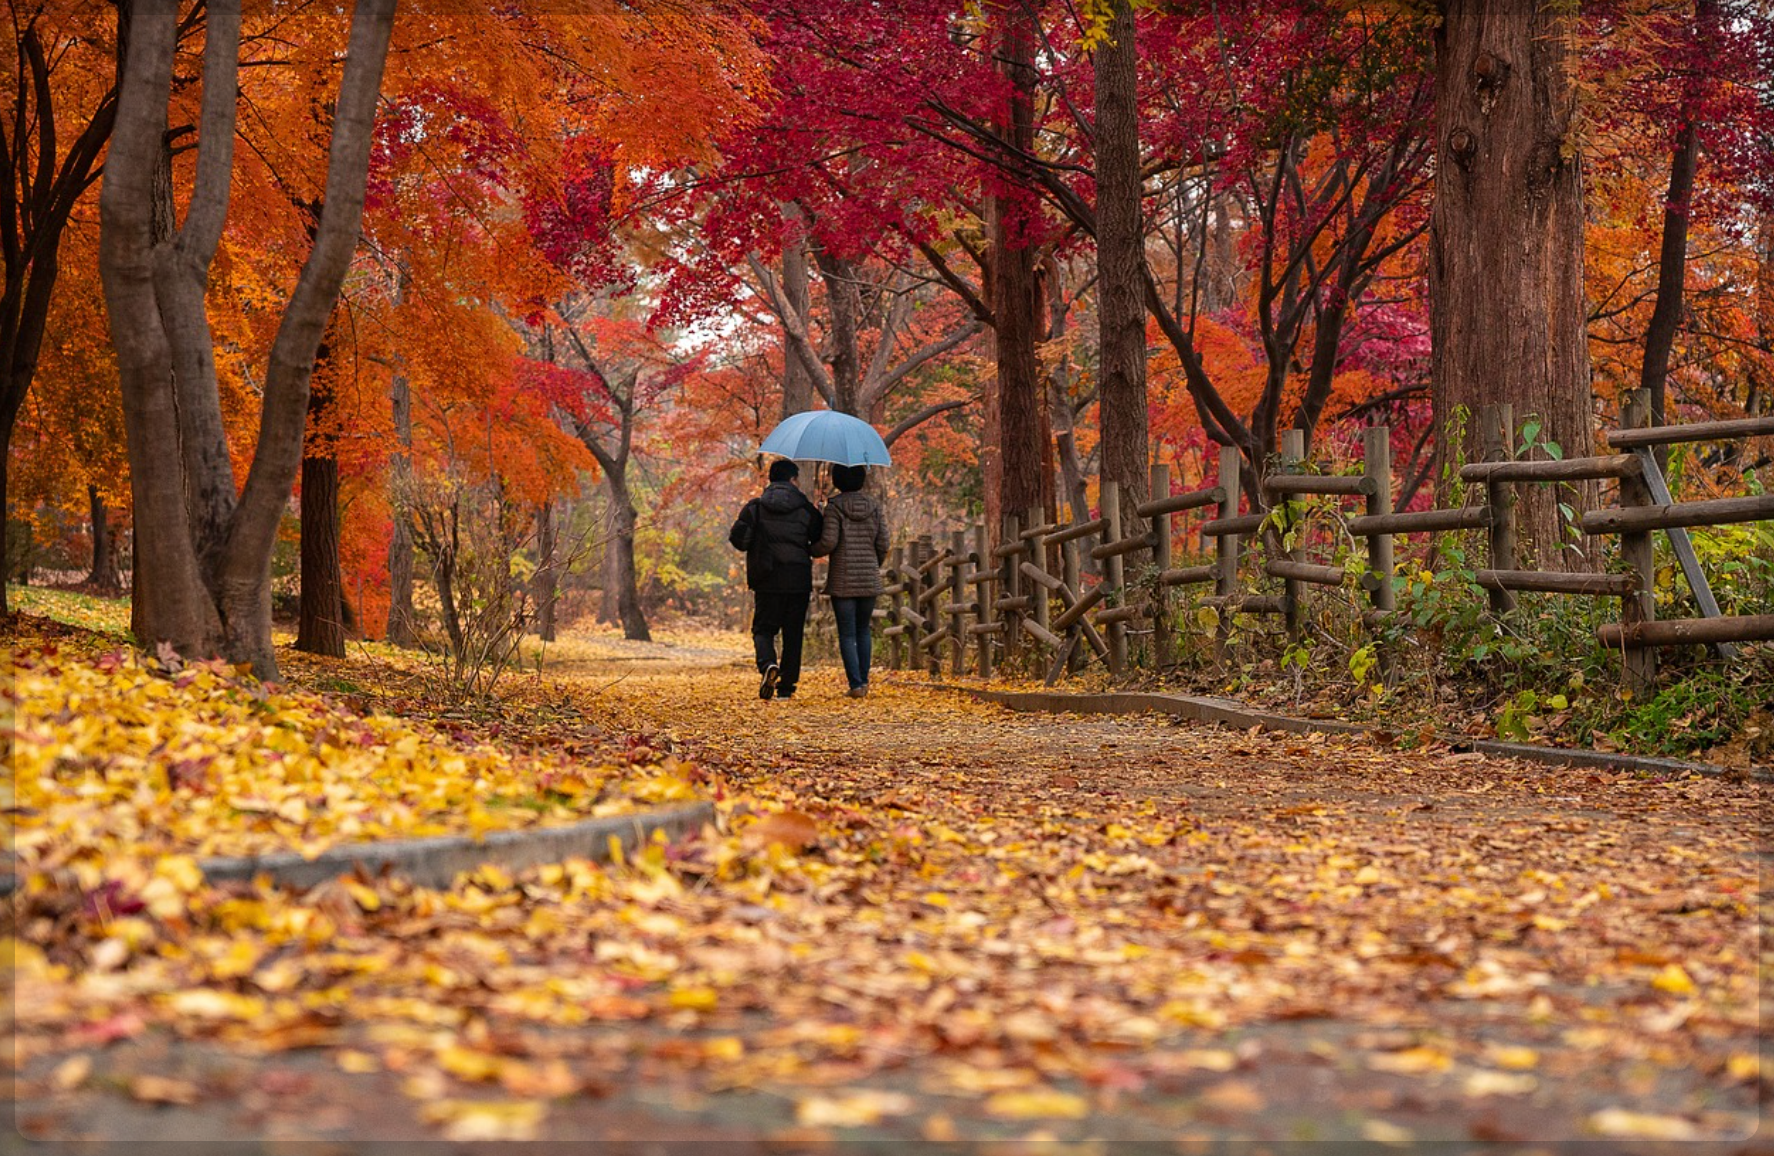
(976,600)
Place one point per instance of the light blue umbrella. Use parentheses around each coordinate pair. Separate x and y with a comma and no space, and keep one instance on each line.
(825,435)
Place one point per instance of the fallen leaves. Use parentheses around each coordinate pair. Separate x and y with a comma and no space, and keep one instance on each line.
(916,885)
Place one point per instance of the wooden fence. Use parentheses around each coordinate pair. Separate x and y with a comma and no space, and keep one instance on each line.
(967,601)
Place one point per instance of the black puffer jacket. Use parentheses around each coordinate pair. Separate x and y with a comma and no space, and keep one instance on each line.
(776,530)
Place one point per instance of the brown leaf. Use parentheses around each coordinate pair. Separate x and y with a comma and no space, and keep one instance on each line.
(791,829)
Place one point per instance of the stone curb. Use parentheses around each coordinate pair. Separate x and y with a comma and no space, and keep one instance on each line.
(436,861)
(1234,714)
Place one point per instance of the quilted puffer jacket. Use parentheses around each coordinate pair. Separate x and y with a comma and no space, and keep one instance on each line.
(855,536)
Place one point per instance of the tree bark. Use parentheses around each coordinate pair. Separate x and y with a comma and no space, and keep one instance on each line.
(797,383)
(320,617)
(103,578)
(1672,258)
(1120,241)
(402,621)
(1015,306)
(200,597)
(546,578)
(171,604)
(843,301)
(1506,242)
(622,568)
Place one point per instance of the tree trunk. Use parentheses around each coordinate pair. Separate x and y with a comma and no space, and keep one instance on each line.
(1672,260)
(443,575)
(1120,242)
(546,579)
(797,383)
(103,578)
(1506,243)
(622,571)
(1015,302)
(320,618)
(843,300)
(202,600)
(402,622)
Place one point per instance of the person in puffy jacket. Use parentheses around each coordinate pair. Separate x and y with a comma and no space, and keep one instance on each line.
(777,530)
(855,536)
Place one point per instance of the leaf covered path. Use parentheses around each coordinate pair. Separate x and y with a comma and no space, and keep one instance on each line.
(928,918)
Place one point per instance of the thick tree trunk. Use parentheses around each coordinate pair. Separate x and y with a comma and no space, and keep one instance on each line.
(622,568)
(443,576)
(103,578)
(1120,242)
(172,604)
(1015,305)
(320,618)
(797,383)
(843,300)
(200,599)
(1506,242)
(546,579)
(402,621)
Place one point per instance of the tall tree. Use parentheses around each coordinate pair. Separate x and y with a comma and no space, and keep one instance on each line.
(203,557)
(1506,237)
(1120,244)
(1014,221)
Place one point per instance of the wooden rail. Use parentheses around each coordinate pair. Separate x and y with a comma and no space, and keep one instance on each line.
(981,598)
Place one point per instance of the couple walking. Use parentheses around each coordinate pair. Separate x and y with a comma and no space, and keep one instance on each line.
(781,533)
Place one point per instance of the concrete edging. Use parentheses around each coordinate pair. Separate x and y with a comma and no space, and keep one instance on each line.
(1234,714)
(434,862)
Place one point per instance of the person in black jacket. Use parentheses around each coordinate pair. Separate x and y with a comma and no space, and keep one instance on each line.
(777,530)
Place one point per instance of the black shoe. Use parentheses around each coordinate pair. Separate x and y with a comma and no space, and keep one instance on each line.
(767,688)
(786,692)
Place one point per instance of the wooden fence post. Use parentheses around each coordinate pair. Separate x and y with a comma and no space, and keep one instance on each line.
(1074,576)
(1496,432)
(958,602)
(914,585)
(1163,650)
(1225,581)
(1636,549)
(1112,573)
(1037,551)
(1010,584)
(1293,454)
(896,608)
(1376,455)
(982,549)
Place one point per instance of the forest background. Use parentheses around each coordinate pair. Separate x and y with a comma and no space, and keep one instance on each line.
(601,255)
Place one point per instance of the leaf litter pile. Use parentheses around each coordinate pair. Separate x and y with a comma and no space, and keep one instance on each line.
(919,917)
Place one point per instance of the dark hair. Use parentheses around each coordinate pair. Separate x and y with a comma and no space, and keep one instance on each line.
(782,469)
(849,479)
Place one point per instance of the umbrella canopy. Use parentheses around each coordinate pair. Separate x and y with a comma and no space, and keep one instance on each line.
(824,435)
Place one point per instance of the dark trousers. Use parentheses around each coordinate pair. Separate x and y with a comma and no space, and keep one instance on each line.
(855,638)
(785,613)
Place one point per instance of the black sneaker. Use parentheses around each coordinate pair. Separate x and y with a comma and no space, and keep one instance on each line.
(786,692)
(767,688)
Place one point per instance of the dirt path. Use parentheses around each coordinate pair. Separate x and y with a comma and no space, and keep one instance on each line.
(929,918)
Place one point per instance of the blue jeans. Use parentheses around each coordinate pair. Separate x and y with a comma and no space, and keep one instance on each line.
(855,638)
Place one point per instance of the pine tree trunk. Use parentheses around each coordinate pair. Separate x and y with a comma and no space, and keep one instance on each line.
(1120,242)
(1506,245)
